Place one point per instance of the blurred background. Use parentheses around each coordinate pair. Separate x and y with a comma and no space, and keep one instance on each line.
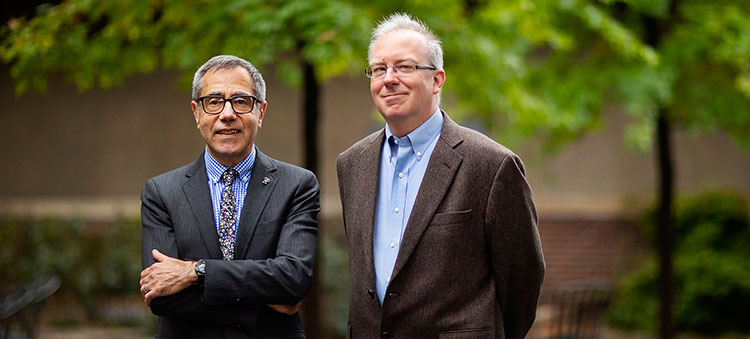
(632,117)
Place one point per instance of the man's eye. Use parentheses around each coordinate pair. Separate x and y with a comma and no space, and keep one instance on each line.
(214,101)
(379,69)
(240,101)
(404,68)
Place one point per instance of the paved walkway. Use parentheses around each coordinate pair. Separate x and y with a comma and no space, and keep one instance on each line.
(93,333)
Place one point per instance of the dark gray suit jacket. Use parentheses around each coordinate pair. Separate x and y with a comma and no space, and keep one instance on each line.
(274,251)
(470,264)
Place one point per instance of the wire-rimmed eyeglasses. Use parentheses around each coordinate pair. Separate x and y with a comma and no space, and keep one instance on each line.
(403,69)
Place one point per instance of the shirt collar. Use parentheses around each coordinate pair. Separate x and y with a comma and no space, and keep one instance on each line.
(214,169)
(422,136)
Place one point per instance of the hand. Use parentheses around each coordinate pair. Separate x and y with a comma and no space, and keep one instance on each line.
(286,309)
(166,277)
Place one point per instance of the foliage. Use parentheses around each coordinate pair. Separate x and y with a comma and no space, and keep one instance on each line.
(521,68)
(712,274)
(548,68)
(100,42)
(93,261)
(334,273)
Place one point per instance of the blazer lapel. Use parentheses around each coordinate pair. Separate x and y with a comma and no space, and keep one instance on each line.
(199,198)
(366,173)
(438,177)
(259,188)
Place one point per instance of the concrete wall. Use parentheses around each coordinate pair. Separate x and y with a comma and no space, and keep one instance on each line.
(89,153)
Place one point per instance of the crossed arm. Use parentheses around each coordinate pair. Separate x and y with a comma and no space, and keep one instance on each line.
(169,275)
(168,282)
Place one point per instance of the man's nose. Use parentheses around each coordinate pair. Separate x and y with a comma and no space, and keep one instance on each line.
(390,76)
(227,112)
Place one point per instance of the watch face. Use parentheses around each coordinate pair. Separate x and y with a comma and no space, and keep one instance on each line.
(200,267)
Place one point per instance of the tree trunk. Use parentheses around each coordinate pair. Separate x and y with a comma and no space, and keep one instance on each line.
(655,30)
(310,111)
(665,227)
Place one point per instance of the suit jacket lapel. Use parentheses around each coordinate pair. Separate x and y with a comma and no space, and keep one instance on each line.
(258,194)
(366,175)
(438,177)
(199,198)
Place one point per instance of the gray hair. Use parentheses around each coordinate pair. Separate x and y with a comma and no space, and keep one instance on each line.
(225,62)
(402,21)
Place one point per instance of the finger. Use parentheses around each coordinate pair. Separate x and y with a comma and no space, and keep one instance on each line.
(144,277)
(158,255)
(145,273)
(285,309)
(148,297)
(277,308)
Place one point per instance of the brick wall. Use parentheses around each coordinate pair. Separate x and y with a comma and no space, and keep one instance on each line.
(577,249)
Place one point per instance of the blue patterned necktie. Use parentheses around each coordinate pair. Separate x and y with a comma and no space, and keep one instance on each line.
(228,217)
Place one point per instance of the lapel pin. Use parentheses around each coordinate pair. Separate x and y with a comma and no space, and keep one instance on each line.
(266,180)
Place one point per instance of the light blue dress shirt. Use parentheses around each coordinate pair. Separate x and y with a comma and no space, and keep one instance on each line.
(402,166)
(214,171)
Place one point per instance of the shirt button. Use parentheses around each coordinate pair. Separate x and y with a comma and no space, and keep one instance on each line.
(388,279)
(395,141)
(393,244)
(400,175)
(396,209)
(419,154)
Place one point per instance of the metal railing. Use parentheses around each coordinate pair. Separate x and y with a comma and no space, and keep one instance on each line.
(21,307)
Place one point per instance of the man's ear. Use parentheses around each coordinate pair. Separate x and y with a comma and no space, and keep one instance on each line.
(262,112)
(196,110)
(438,81)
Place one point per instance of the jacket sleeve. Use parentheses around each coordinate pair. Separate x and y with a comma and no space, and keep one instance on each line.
(516,252)
(157,232)
(285,276)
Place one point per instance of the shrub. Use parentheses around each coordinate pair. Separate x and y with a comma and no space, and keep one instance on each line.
(711,270)
(92,260)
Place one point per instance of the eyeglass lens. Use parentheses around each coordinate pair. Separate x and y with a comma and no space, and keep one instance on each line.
(240,104)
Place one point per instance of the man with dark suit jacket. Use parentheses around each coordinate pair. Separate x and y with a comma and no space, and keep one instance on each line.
(439,219)
(229,241)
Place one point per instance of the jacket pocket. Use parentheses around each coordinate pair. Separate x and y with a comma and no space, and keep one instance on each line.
(473,333)
(452,218)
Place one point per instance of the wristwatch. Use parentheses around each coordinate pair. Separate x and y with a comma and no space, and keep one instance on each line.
(200,270)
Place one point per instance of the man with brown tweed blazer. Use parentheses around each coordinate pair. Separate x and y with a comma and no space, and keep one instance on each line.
(439,219)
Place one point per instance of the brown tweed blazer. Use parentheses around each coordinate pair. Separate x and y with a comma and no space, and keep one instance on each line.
(470,265)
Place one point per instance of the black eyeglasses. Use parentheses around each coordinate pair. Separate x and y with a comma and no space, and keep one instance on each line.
(214,104)
(405,69)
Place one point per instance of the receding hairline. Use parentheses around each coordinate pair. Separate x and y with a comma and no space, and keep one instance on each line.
(229,68)
(424,39)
